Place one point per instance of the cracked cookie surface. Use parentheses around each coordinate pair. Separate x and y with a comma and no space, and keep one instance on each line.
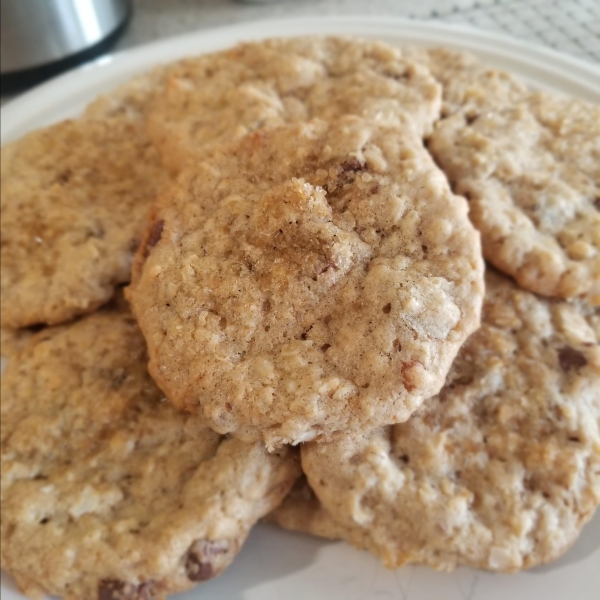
(109,492)
(499,471)
(307,279)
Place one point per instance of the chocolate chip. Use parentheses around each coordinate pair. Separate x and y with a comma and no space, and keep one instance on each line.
(202,556)
(352,164)
(462,380)
(113,589)
(198,570)
(471,118)
(153,237)
(155,233)
(64,176)
(597,202)
(569,358)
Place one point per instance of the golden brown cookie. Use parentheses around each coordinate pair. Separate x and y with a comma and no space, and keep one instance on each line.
(130,99)
(306,280)
(466,81)
(499,471)
(108,492)
(222,96)
(529,163)
(74,199)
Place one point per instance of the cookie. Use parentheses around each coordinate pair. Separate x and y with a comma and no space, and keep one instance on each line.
(532,177)
(499,471)
(74,202)
(307,279)
(594,322)
(13,340)
(108,492)
(465,80)
(130,99)
(301,511)
(221,96)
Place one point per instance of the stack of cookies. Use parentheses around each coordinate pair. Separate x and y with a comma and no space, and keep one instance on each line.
(308,329)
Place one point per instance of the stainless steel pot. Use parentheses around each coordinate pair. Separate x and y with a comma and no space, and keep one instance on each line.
(35,34)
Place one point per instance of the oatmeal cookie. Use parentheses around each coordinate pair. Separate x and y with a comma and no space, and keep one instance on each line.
(109,492)
(13,340)
(499,471)
(225,95)
(131,99)
(74,201)
(465,80)
(531,172)
(307,279)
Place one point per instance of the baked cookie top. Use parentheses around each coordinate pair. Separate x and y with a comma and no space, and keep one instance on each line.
(499,471)
(531,173)
(74,201)
(12,340)
(465,80)
(307,279)
(222,96)
(108,492)
(130,99)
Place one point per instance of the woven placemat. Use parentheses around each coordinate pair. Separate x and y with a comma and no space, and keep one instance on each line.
(572,26)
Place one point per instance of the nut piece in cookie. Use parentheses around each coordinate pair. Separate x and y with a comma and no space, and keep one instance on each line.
(307,279)
(74,199)
(222,96)
(499,471)
(108,492)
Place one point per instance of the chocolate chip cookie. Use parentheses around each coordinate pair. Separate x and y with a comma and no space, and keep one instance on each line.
(108,492)
(499,471)
(307,279)
(74,202)
(224,95)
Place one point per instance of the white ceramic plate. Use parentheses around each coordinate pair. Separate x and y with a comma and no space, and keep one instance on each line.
(274,564)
